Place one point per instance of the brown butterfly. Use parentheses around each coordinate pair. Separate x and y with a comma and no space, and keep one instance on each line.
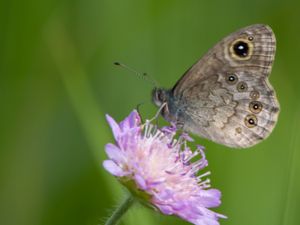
(226,96)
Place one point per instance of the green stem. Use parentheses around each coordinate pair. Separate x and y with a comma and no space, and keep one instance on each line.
(120,211)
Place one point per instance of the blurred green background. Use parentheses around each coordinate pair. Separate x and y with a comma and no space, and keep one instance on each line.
(58,81)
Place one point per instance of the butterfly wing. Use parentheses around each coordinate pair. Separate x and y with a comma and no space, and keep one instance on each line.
(226,96)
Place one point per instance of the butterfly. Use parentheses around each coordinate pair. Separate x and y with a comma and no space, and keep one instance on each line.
(226,96)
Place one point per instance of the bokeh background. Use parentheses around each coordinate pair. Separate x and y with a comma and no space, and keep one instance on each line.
(58,81)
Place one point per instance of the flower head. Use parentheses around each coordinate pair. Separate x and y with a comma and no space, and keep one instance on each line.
(159,170)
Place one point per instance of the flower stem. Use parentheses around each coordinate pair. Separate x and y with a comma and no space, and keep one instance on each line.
(120,211)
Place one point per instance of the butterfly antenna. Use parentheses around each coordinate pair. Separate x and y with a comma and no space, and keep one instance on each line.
(144,76)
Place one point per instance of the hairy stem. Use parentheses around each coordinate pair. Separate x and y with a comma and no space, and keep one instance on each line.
(120,211)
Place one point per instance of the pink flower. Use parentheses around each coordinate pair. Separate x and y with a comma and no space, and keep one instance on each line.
(158,170)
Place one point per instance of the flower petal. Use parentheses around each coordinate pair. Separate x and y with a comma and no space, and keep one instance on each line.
(140,182)
(166,209)
(114,153)
(133,120)
(113,168)
(206,221)
(114,126)
(210,198)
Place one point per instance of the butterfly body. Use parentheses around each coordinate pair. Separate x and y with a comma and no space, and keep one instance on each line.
(226,96)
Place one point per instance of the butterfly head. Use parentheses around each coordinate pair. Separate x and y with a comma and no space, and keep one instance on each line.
(161,98)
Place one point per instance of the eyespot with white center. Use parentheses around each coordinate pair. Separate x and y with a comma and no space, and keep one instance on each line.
(250,121)
(255,107)
(242,86)
(241,49)
(254,95)
(231,78)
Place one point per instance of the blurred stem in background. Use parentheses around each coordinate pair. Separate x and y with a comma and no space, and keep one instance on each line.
(291,172)
(77,86)
(87,110)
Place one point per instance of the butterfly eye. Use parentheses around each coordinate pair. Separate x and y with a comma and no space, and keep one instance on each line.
(158,96)
(242,87)
(254,95)
(250,121)
(161,95)
(255,107)
(231,79)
